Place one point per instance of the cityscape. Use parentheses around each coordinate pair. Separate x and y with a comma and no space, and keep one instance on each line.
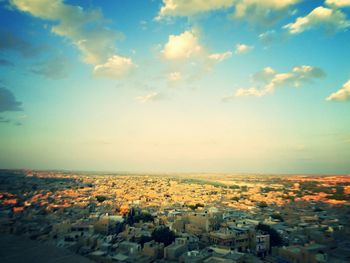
(174,131)
(101,217)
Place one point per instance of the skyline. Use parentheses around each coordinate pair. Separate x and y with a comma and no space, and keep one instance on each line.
(176,86)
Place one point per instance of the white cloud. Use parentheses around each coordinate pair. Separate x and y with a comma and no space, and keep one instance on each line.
(249,92)
(338,3)
(267,11)
(279,80)
(305,72)
(330,19)
(149,97)
(115,67)
(174,76)
(341,95)
(243,48)
(265,75)
(86,29)
(271,80)
(96,41)
(218,57)
(191,7)
(245,92)
(182,46)
(184,53)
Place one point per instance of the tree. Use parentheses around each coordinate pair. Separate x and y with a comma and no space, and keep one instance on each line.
(262,204)
(130,219)
(144,217)
(144,239)
(275,238)
(119,227)
(101,198)
(163,235)
(194,207)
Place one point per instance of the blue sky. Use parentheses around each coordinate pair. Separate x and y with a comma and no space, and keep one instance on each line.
(175,85)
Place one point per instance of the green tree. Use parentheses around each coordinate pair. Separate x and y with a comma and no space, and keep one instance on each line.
(275,238)
(262,204)
(144,217)
(130,219)
(163,235)
(144,239)
(101,198)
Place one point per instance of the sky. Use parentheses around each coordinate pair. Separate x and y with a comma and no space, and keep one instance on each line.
(241,86)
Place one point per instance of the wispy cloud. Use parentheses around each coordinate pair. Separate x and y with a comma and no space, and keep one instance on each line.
(265,12)
(174,76)
(52,68)
(86,29)
(191,7)
(12,42)
(271,80)
(8,101)
(4,120)
(153,96)
(5,62)
(218,57)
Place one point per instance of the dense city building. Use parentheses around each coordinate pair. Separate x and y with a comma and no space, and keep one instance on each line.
(180,218)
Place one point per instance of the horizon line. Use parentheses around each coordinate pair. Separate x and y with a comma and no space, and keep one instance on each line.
(169,173)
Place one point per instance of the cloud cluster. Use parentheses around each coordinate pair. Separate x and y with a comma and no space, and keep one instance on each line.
(115,67)
(86,29)
(338,3)
(342,94)
(191,7)
(267,80)
(8,101)
(188,58)
(186,46)
(266,12)
(182,46)
(332,20)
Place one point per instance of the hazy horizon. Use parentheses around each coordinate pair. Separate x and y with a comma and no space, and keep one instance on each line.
(169,173)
